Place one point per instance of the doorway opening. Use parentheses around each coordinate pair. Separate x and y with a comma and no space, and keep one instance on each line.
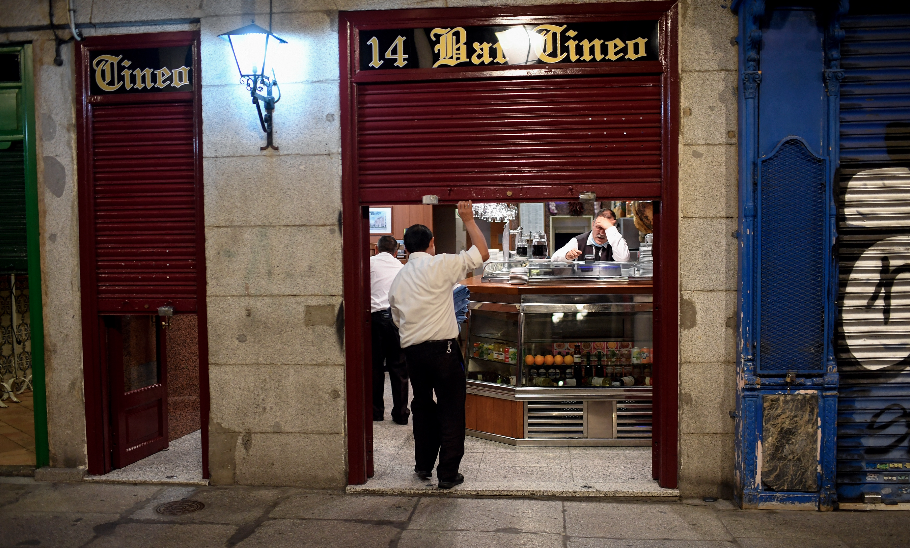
(526,432)
(153,381)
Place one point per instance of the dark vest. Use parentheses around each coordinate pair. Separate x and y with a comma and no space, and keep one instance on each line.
(604,253)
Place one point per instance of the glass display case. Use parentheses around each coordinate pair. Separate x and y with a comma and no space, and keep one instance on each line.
(549,368)
(562,341)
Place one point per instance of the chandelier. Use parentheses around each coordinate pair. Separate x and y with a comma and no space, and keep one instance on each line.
(495,213)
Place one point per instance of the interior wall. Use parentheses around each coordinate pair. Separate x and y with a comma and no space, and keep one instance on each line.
(182,376)
(404,216)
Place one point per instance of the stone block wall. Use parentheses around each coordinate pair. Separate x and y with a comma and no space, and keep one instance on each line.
(273,237)
(708,199)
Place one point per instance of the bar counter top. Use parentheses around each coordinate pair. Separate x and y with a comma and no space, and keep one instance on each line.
(624,287)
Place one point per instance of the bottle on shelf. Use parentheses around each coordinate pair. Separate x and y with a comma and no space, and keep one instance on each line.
(577,355)
(569,375)
(648,375)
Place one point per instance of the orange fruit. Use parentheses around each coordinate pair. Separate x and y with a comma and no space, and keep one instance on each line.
(569,359)
(529,359)
(548,359)
(557,359)
(538,360)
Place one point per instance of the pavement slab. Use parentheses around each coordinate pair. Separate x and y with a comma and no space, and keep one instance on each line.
(293,533)
(350,507)
(60,530)
(642,521)
(163,535)
(82,497)
(519,515)
(464,539)
(235,505)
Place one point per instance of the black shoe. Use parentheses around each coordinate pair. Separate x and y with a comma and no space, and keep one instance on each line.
(402,422)
(459,479)
(378,419)
(423,474)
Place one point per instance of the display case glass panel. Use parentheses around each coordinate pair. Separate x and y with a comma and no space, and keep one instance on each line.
(563,341)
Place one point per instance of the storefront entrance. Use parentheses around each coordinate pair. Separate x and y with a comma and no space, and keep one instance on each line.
(546,105)
(142,247)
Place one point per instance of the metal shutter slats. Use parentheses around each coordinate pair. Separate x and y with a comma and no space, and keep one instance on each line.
(144,202)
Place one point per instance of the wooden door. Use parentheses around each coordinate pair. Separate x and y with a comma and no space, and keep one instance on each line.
(137,371)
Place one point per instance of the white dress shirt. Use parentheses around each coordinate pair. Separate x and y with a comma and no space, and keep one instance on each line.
(614,238)
(421,295)
(383,269)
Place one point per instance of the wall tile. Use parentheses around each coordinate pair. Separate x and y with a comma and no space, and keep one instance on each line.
(272,190)
(271,331)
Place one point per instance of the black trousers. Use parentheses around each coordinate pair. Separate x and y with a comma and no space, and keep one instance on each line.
(438,367)
(387,350)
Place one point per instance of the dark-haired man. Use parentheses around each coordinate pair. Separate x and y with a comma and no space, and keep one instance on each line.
(603,242)
(386,346)
(422,308)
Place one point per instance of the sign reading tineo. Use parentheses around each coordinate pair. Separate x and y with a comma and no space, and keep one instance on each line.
(141,70)
(575,43)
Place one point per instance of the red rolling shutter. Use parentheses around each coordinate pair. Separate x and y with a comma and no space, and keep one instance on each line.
(144,201)
(461,139)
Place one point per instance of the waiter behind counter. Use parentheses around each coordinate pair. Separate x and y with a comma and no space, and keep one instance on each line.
(603,242)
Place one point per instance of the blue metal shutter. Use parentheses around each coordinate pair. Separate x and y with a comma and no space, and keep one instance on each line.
(12,208)
(873,336)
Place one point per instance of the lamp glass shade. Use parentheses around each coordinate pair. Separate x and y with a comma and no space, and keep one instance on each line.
(250,46)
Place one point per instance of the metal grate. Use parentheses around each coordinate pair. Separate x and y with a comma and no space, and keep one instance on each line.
(179,507)
(556,419)
(792,225)
(633,419)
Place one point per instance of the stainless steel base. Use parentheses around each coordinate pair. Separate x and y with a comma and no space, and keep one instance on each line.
(581,442)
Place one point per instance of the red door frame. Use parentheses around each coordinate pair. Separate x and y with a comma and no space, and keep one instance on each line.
(355,250)
(97,396)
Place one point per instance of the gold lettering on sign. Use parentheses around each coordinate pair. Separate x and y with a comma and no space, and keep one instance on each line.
(106,72)
(613,49)
(635,53)
(551,50)
(586,44)
(126,75)
(140,73)
(481,54)
(452,47)
(161,76)
(181,77)
(500,56)
(573,55)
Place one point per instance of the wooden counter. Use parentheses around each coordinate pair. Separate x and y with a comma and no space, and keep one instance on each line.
(630,287)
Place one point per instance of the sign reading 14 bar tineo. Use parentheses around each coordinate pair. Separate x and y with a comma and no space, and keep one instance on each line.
(141,70)
(448,47)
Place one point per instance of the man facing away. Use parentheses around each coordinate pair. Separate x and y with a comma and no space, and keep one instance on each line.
(384,266)
(423,310)
(604,242)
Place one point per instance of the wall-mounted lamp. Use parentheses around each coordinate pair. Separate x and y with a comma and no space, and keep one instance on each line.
(250,46)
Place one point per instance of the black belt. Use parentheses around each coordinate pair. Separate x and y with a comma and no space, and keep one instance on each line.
(445,344)
(383,314)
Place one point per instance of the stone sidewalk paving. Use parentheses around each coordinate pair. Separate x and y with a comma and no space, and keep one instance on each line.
(118,516)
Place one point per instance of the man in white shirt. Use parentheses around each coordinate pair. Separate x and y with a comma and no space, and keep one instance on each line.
(384,266)
(603,242)
(423,310)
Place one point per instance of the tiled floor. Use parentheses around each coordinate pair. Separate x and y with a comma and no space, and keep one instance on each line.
(180,463)
(17,431)
(492,468)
